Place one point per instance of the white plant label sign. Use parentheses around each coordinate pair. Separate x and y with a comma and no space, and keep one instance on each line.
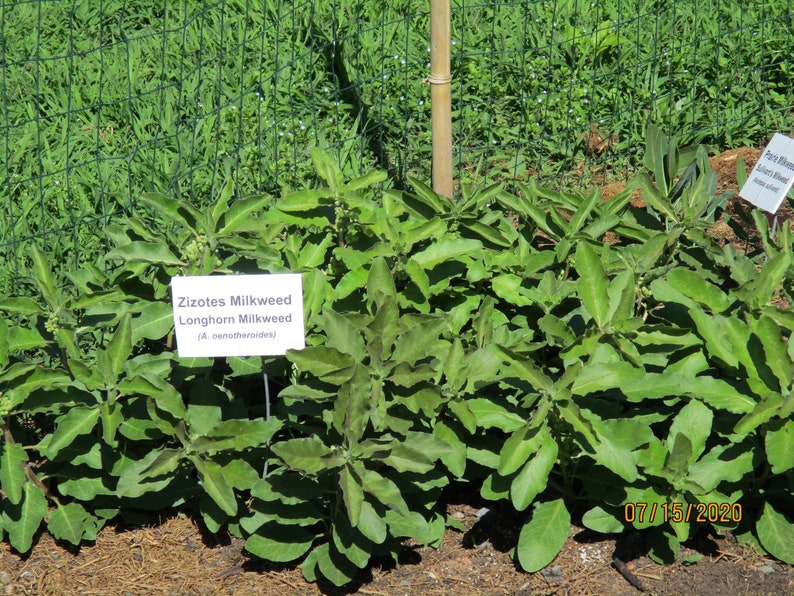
(772,176)
(238,315)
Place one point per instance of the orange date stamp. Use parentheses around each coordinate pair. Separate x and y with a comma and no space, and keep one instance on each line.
(722,513)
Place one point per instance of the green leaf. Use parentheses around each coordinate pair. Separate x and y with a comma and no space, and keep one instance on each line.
(418,342)
(156,320)
(280,543)
(45,280)
(409,458)
(776,534)
(718,394)
(599,520)
(77,421)
(533,478)
(22,520)
(592,283)
(237,434)
(144,252)
(180,212)
(694,422)
(239,217)
(600,376)
(308,454)
(326,168)
(775,350)
(380,284)
(323,362)
(692,285)
(215,484)
(519,446)
(491,415)
(385,491)
(507,286)
(763,411)
(351,543)
(372,524)
(67,522)
(352,492)
(779,445)
(12,472)
(22,305)
(304,200)
(446,250)
(120,346)
(543,537)
(342,335)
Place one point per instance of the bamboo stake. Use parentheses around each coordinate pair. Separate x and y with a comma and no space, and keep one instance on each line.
(440,80)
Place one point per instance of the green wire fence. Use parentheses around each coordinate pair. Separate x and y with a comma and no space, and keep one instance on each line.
(101,101)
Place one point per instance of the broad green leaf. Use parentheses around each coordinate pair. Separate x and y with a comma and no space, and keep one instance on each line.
(718,394)
(519,446)
(326,168)
(351,543)
(238,218)
(304,200)
(120,346)
(77,421)
(42,274)
(719,342)
(693,421)
(418,342)
(533,478)
(181,212)
(22,520)
(12,472)
(369,179)
(352,491)
(67,522)
(313,254)
(508,287)
(145,252)
(280,543)
(409,458)
(527,370)
(308,454)
(446,250)
(775,350)
(776,534)
(385,491)
(237,434)
(488,233)
(372,524)
(592,283)
(334,566)
(600,376)
(599,520)
(156,320)
(323,361)
(21,305)
(692,285)
(342,335)
(779,445)
(763,411)
(380,284)
(489,414)
(724,463)
(215,484)
(543,537)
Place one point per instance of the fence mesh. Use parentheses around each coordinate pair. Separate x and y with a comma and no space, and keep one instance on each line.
(100,101)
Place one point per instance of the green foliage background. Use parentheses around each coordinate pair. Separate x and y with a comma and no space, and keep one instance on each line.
(99,103)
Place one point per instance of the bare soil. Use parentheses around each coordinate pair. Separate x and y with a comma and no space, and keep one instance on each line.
(172,555)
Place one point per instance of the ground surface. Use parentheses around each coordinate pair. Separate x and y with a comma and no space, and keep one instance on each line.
(172,555)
